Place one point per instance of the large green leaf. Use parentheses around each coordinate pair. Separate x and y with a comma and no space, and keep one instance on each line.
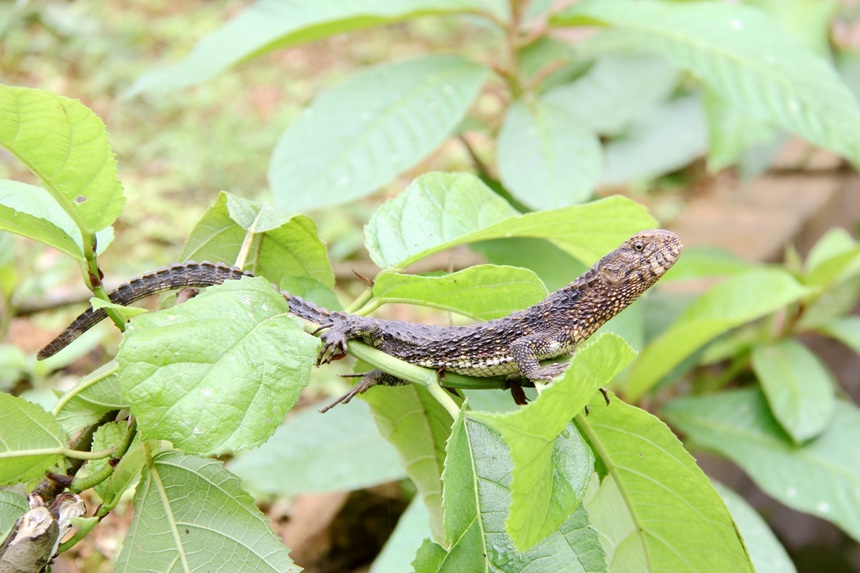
(482,292)
(731,132)
(845,330)
(798,387)
(743,57)
(268,25)
(399,551)
(29,211)
(285,247)
(821,477)
(618,90)
(666,138)
(29,438)
(834,259)
(219,372)
(442,210)
(358,135)
(766,553)
(95,395)
(477,494)
(741,298)
(193,515)
(543,493)
(554,266)
(659,511)
(324,453)
(66,146)
(418,426)
(546,158)
(12,506)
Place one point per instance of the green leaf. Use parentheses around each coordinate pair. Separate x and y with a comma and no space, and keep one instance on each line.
(219,372)
(699,262)
(546,158)
(764,548)
(730,132)
(833,259)
(806,20)
(107,436)
(618,531)
(617,91)
(845,330)
(667,138)
(741,298)
(127,312)
(27,436)
(399,550)
(477,494)
(554,266)
(192,515)
(29,211)
(95,395)
(66,146)
(798,387)
(360,134)
(482,292)
(744,58)
(418,426)
(657,509)
(544,494)
(325,453)
(821,477)
(429,557)
(442,210)
(12,506)
(267,25)
(127,471)
(285,246)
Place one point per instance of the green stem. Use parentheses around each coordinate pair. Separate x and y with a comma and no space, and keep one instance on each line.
(84,527)
(369,307)
(93,277)
(359,302)
(405,371)
(512,44)
(81,484)
(61,451)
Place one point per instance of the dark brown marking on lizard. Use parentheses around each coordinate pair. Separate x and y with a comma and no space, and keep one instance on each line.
(514,344)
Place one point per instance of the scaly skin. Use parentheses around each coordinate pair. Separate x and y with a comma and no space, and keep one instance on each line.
(514,344)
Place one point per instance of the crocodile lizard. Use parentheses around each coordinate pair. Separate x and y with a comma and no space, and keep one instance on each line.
(514,344)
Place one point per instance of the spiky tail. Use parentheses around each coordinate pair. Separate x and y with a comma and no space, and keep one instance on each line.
(180,275)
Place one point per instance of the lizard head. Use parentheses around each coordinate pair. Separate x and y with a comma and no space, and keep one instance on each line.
(639,262)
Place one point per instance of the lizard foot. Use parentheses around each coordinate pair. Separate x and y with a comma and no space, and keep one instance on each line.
(368,380)
(334,345)
(548,372)
(605,397)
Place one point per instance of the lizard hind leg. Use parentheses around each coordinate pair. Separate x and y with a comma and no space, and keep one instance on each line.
(368,380)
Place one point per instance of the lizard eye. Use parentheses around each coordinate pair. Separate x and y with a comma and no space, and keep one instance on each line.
(639,246)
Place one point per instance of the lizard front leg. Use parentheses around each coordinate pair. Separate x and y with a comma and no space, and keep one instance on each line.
(525,351)
(347,327)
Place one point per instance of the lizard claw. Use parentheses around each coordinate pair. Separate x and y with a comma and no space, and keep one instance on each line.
(368,380)
(334,345)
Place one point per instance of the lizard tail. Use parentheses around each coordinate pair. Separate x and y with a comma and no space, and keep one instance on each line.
(174,277)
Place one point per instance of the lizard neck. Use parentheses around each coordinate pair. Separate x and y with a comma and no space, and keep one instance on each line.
(591,300)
